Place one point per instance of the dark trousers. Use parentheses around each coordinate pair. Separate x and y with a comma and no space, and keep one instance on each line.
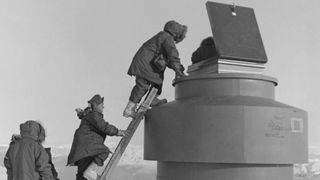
(141,88)
(84,163)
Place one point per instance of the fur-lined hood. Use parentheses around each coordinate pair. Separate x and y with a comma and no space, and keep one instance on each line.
(34,130)
(177,30)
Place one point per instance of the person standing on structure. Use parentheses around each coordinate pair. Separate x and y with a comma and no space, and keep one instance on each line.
(88,150)
(149,63)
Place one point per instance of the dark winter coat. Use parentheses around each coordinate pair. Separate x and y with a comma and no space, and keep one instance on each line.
(89,138)
(53,169)
(206,50)
(162,43)
(26,159)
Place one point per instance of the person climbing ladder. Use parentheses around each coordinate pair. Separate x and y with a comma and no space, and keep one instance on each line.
(88,150)
(150,62)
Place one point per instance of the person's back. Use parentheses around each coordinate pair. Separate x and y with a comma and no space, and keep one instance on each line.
(26,159)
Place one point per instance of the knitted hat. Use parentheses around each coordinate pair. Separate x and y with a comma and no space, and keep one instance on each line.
(96,99)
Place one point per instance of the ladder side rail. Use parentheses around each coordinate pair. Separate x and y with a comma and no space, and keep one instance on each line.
(125,140)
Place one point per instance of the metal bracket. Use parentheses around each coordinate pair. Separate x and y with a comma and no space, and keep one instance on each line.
(233,9)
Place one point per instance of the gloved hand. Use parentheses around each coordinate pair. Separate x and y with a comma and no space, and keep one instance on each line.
(80,113)
(78,110)
(180,74)
(15,137)
(123,133)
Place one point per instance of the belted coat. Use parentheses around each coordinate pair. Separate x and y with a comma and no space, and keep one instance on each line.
(89,138)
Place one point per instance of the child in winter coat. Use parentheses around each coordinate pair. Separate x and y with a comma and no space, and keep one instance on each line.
(26,159)
(88,150)
(149,63)
(53,169)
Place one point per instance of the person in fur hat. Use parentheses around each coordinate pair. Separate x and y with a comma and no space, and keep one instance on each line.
(150,62)
(26,158)
(88,150)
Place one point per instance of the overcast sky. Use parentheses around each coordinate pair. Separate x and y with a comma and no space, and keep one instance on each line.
(55,55)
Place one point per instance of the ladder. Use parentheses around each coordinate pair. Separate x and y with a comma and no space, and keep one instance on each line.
(125,140)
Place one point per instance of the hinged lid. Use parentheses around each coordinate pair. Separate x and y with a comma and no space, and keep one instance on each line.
(236,33)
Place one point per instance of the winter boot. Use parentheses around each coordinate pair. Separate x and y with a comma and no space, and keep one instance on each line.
(130,110)
(91,172)
(158,102)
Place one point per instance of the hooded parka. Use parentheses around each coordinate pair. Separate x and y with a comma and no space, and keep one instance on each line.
(26,159)
(88,140)
(163,44)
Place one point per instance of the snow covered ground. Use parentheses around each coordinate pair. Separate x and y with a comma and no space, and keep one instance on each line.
(3,174)
(311,169)
(133,167)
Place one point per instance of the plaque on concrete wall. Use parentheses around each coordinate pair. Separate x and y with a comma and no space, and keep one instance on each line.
(236,33)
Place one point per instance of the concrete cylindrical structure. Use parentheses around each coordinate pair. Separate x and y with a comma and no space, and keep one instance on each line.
(225,126)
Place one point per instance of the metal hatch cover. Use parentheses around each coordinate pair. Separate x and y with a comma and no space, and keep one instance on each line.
(236,33)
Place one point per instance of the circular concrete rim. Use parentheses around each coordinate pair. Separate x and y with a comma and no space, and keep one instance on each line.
(228,76)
